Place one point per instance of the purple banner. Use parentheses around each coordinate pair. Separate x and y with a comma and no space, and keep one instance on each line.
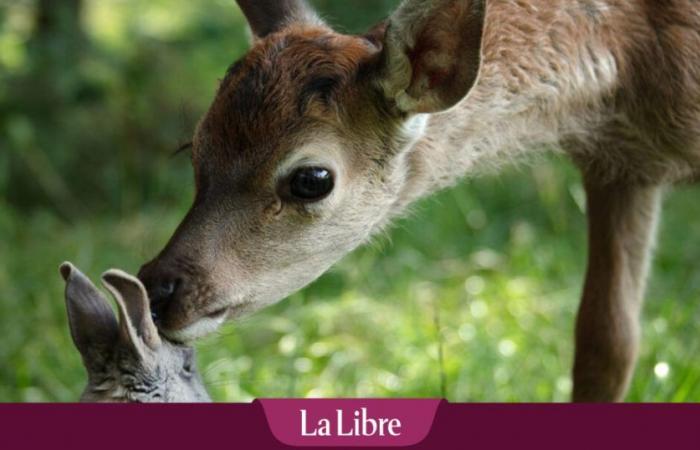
(244,426)
(350,423)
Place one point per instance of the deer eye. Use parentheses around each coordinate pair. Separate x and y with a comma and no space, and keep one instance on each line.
(311,183)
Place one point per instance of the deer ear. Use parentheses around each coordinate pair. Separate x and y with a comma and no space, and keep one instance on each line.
(268,16)
(432,53)
(135,321)
(92,323)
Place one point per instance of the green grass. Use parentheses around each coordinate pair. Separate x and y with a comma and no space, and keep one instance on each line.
(489,272)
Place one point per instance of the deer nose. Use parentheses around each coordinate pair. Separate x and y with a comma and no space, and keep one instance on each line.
(161,294)
(162,289)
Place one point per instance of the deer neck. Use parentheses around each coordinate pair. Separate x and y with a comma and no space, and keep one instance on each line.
(521,104)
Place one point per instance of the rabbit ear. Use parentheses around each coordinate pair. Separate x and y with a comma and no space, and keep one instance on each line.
(136,323)
(92,323)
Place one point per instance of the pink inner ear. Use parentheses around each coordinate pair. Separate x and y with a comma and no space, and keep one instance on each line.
(430,60)
(442,58)
(418,56)
(437,77)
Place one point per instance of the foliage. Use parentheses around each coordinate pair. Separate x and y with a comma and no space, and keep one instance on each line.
(486,275)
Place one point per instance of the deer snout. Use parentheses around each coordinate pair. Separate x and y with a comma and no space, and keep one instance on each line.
(183,304)
(163,286)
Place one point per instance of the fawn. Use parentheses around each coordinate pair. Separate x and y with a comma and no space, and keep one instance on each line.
(126,361)
(316,140)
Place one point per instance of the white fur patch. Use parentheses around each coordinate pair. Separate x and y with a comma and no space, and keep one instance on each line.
(198,329)
(415,127)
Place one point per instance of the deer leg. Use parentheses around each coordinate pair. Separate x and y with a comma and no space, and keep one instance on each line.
(621,231)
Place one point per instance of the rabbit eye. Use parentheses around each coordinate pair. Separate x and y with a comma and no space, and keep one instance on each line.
(188,367)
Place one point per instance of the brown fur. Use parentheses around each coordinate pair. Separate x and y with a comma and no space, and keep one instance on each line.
(622,222)
(613,83)
(287,83)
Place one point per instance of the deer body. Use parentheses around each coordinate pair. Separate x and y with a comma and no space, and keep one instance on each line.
(616,87)
(594,79)
(316,140)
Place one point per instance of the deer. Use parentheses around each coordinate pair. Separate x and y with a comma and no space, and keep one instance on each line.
(316,140)
(126,360)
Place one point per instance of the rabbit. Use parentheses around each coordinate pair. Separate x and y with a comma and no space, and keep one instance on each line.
(125,358)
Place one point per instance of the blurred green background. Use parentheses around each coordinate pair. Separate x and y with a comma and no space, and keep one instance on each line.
(473,297)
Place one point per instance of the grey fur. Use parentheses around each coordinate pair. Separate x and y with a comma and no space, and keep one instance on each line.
(126,360)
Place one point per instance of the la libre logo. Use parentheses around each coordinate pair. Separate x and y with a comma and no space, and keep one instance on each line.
(357,424)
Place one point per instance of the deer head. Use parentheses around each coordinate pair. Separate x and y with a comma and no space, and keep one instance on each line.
(126,360)
(305,152)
